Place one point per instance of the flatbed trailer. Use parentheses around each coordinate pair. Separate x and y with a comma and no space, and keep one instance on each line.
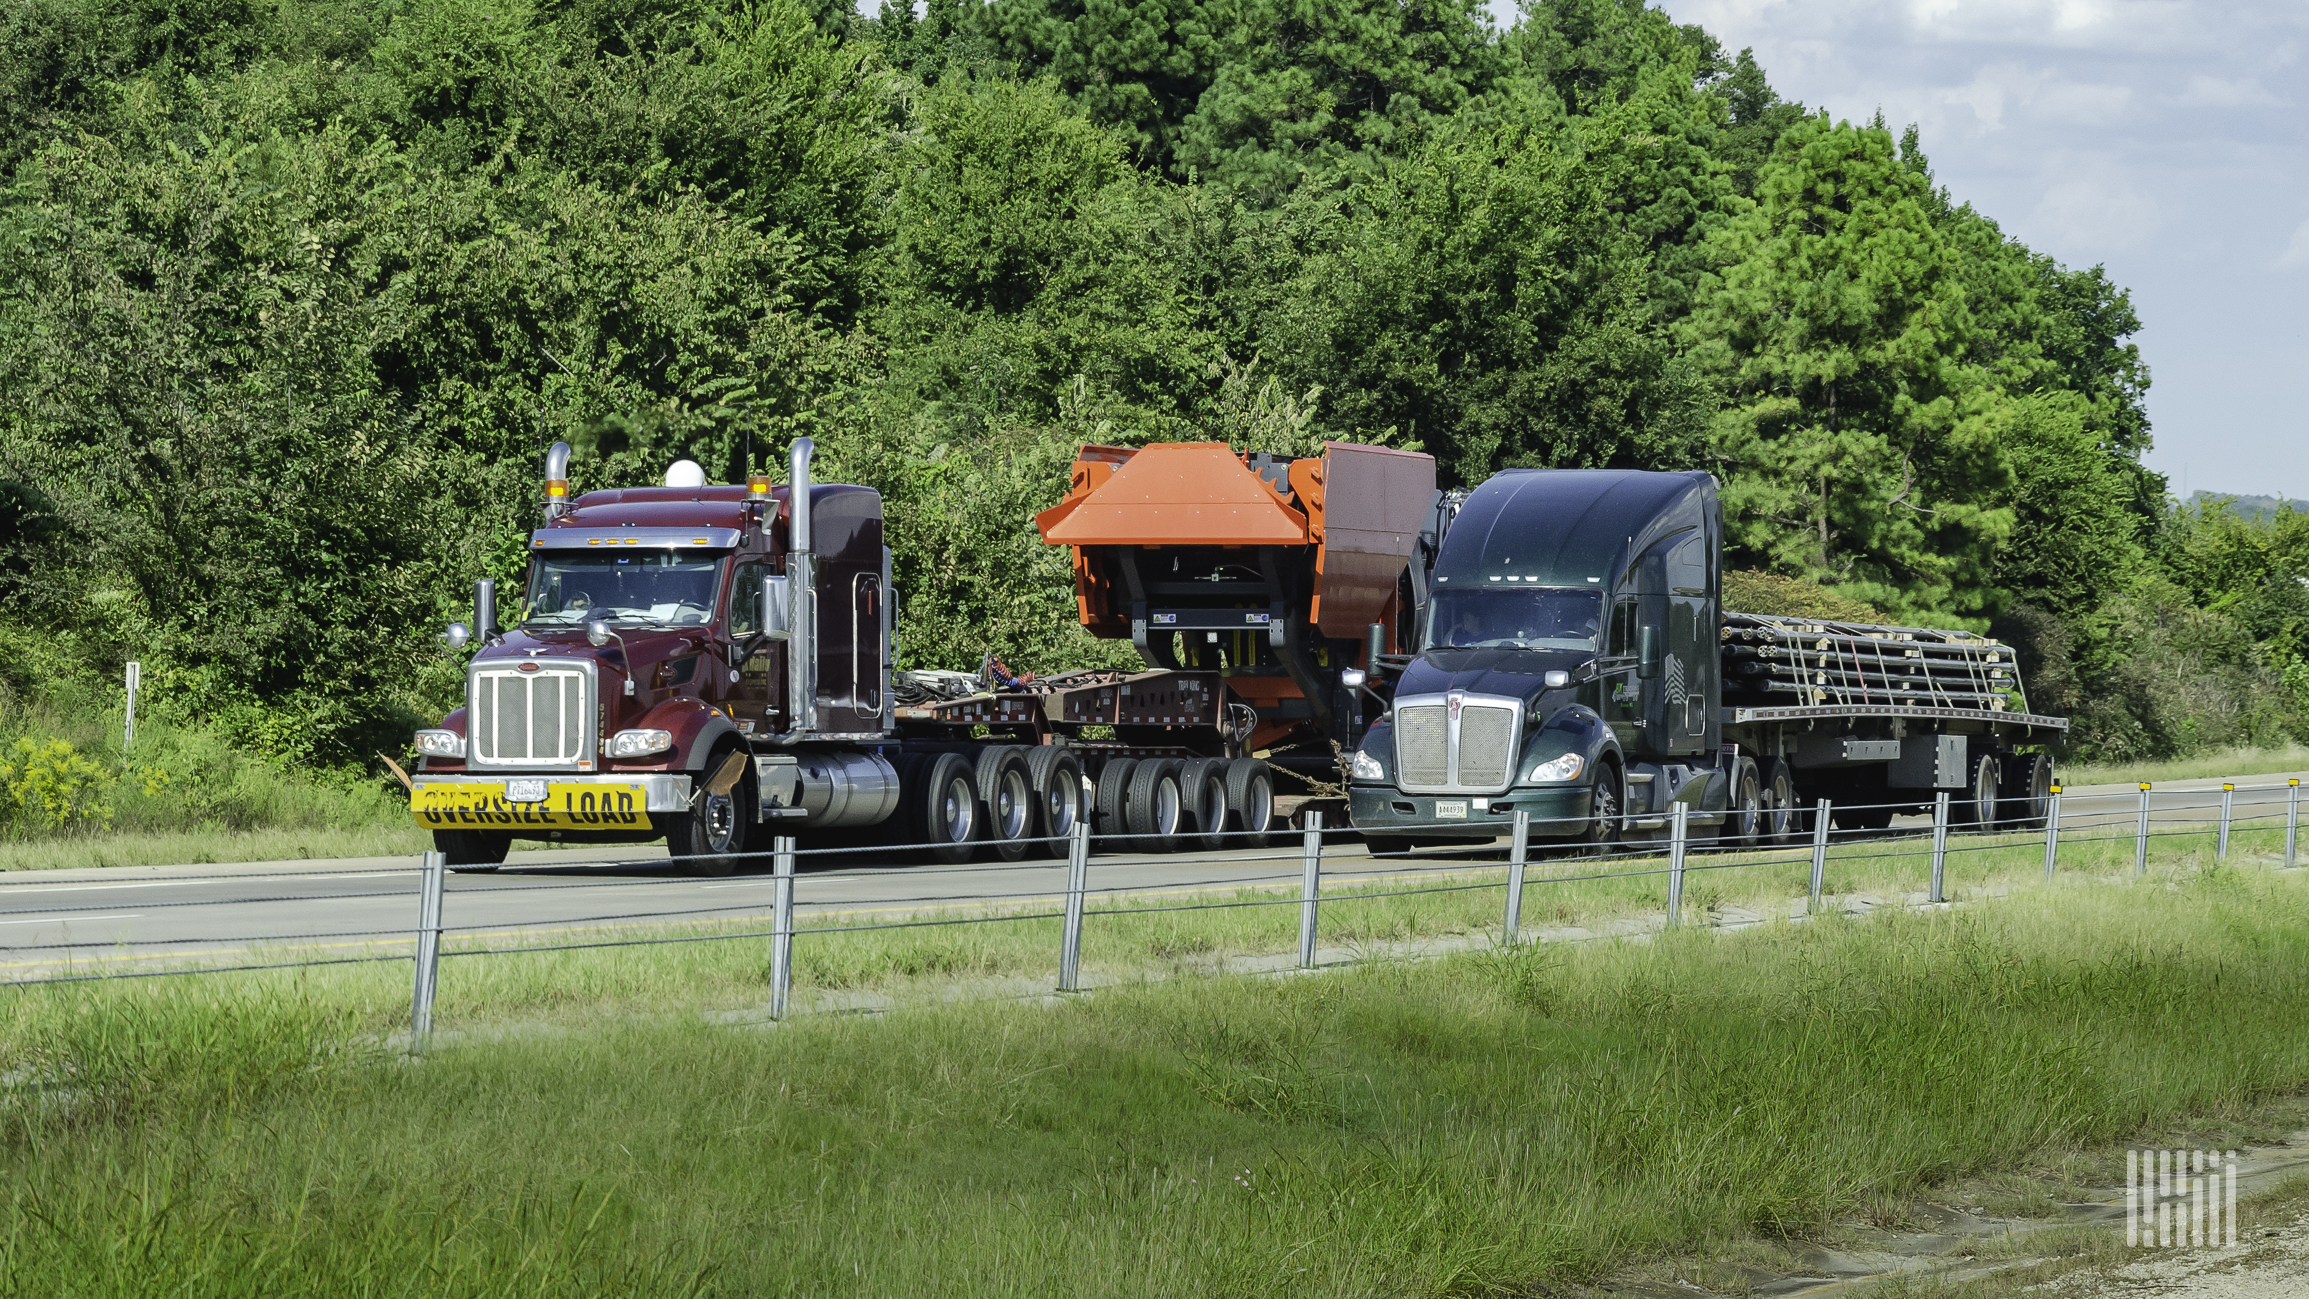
(1575,663)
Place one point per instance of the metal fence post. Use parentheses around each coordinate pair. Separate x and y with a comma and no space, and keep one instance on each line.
(429,884)
(1678,837)
(1518,852)
(2228,806)
(1820,817)
(133,679)
(2141,837)
(782,925)
(2051,833)
(1939,845)
(2292,819)
(1310,890)
(1077,878)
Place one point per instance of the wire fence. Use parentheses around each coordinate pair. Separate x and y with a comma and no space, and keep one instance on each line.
(1009,892)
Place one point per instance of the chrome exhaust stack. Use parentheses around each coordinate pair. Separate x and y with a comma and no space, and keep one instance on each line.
(557,480)
(802,598)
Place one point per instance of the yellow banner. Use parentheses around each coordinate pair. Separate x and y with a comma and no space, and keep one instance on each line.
(481,805)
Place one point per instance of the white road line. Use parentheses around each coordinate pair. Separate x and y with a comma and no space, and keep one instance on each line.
(11,891)
(65,920)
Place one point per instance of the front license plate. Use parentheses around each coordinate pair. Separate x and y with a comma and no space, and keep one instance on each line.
(1451,809)
(493,804)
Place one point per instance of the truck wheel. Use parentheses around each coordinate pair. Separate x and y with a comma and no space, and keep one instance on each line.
(1250,801)
(1055,776)
(1605,799)
(942,809)
(1744,816)
(1975,804)
(472,852)
(1203,795)
(1007,798)
(1782,823)
(1113,793)
(1153,808)
(707,839)
(2027,791)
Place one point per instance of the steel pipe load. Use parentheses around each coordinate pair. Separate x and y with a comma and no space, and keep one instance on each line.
(1768,659)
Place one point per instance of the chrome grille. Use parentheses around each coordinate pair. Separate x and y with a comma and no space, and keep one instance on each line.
(1419,746)
(1486,738)
(531,719)
(1472,752)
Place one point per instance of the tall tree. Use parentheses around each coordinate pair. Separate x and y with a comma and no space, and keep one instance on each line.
(1859,446)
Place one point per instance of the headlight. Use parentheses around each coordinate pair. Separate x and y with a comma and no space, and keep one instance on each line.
(639,744)
(441,744)
(1365,767)
(1563,768)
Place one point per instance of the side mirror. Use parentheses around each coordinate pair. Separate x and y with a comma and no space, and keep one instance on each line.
(1352,678)
(457,636)
(777,611)
(1647,653)
(597,633)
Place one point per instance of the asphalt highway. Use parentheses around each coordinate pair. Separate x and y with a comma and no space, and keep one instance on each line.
(118,920)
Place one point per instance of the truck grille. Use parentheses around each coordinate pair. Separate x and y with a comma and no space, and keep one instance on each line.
(1473,755)
(1420,739)
(531,719)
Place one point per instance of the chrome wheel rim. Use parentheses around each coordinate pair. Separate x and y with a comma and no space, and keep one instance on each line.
(721,819)
(1262,807)
(1166,806)
(1011,806)
(958,815)
(1064,796)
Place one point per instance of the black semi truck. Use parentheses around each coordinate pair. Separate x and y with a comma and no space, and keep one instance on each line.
(1573,659)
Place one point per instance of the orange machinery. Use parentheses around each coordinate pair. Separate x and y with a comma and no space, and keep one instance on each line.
(1271,574)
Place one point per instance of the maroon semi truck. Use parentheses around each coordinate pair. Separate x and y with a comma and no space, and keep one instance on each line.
(711,665)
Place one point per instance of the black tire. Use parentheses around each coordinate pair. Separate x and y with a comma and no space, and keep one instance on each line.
(1975,804)
(1203,802)
(473,852)
(942,812)
(1055,775)
(2026,792)
(1250,801)
(707,839)
(1006,796)
(1113,792)
(1744,815)
(1153,809)
(1782,822)
(1607,797)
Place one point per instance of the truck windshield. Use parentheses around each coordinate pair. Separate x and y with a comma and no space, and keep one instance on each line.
(669,587)
(1545,618)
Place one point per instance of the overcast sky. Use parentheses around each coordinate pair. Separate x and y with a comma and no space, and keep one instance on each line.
(2164,139)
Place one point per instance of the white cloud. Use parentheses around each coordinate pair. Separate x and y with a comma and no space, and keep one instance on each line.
(2296,255)
(2091,207)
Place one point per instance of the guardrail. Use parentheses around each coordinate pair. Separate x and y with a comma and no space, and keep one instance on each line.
(1607,860)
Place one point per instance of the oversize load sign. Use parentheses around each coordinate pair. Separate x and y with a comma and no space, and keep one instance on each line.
(576,807)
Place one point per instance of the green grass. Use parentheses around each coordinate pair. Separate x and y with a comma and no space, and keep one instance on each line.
(2225,762)
(1477,1124)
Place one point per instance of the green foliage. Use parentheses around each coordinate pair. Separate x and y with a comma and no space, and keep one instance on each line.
(1859,447)
(47,787)
(1755,591)
(295,296)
